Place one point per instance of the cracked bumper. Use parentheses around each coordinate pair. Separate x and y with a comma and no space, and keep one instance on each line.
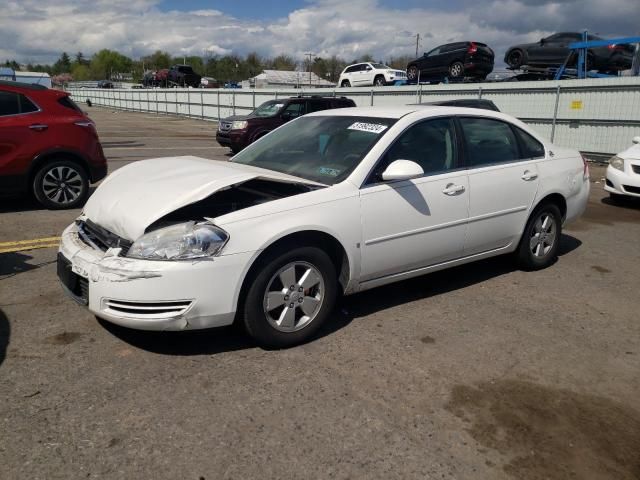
(157,295)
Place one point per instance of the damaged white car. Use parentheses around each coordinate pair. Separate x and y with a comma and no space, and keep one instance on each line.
(332,203)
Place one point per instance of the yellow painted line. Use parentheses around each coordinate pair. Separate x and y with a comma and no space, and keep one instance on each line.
(23,245)
(24,248)
(29,242)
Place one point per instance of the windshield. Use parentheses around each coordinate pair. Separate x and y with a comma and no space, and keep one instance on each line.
(267,109)
(379,65)
(323,149)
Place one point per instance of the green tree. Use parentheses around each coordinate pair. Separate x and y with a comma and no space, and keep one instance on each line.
(157,60)
(282,62)
(106,62)
(80,72)
(80,60)
(63,65)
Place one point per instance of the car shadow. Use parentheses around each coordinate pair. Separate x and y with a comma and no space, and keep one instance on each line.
(27,203)
(5,333)
(227,339)
(630,203)
(13,263)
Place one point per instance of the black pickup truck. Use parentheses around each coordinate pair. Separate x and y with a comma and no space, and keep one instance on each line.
(183,76)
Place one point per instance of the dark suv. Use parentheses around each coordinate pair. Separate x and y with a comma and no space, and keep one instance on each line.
(239,131)
(454,61)
(48,146)
(183,76)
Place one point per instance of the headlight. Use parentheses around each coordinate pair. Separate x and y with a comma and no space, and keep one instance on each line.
(239,125)
(617,163)
(180,242)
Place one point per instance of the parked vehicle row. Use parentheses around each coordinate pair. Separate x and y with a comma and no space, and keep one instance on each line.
(473,61)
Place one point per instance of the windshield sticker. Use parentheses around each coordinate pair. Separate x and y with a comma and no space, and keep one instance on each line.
(368,127)
(330,172)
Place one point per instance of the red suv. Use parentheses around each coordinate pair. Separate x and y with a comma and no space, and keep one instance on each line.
(48,146)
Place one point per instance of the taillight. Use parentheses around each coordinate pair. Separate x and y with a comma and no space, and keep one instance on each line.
(585,167)
(473,48)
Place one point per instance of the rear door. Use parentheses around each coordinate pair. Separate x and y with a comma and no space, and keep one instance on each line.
(21,127)
(503,181)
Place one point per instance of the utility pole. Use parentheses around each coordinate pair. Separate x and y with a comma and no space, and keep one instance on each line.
(417,43)
(309,55)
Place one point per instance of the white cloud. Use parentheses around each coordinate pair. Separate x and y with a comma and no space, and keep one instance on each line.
(32,30)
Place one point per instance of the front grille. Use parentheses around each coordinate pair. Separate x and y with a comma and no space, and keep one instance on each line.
(630,189)
(636,169)
(100,238)
(150,310)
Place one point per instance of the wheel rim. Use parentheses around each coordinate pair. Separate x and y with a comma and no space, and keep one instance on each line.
(543,236)
(456,70)
(514,59)
(62,185)
(293,297)
(379,82)
(412,74)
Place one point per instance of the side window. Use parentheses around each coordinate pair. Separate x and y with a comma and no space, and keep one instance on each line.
(9,103)
(294,110)
(317,105)
(26,105)
(488,141)
(435,51)
(431,144)
(531,148)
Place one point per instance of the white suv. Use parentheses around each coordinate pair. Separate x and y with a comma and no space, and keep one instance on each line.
(367,74)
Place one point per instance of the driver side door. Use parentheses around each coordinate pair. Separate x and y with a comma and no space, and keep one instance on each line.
(411,224)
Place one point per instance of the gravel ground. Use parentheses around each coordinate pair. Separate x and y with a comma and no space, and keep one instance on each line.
(482,371)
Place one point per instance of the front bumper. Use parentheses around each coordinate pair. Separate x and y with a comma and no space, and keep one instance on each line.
(234,139)
(624,182)
(156,295)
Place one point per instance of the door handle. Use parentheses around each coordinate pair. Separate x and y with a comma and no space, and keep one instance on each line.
(527,176)
(452,189)
(39,127)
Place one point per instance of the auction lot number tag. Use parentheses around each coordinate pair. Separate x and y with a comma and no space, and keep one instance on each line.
(368,127)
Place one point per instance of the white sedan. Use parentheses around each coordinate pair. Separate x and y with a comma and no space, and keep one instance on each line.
(623,173)
(335,202)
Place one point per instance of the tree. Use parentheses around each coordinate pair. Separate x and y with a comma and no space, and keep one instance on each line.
(107,62)
(282,62)
(157,60)
(80,60)
(400,62)
(63,65)
(253,64)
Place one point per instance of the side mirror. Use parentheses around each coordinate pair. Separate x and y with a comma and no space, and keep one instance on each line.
(542,41)
(636,140)
(402,170)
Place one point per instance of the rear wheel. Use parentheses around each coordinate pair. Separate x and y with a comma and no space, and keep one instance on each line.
(456,70)
(345,83)
(290,297)
(379,81)
(515,59)
(412,73)
(539,244)
(61,184)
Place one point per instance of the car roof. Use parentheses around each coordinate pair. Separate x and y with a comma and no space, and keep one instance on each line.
(28,86)
(401,111)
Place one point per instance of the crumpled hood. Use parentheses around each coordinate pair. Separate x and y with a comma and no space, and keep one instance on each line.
(133,197)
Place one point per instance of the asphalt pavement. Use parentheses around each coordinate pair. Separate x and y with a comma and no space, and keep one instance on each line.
(478,372)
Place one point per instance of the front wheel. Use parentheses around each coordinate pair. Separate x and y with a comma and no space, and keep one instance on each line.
(539,244)
(290,297)
(345,83)
(379,81)
(412,73)
(515,59)
(61,184)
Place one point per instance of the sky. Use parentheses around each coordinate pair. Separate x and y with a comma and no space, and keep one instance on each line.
(38,31)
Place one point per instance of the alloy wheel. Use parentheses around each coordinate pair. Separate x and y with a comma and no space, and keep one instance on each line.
(543,235)
(62,185)
(293,297)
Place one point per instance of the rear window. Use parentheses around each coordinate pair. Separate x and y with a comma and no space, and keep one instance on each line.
(531,148)
(15,103)
(68,103)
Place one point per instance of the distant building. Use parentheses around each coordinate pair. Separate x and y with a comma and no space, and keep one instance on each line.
(7,74)
(287,78)
(40,78)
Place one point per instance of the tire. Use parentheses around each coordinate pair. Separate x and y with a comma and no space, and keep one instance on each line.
(268,323)
(61,184)
(412,73)
(539,243)
(456,70)
(515,59)
(345,84)
(379,81)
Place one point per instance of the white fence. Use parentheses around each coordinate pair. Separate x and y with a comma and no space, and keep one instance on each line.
(596,115)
